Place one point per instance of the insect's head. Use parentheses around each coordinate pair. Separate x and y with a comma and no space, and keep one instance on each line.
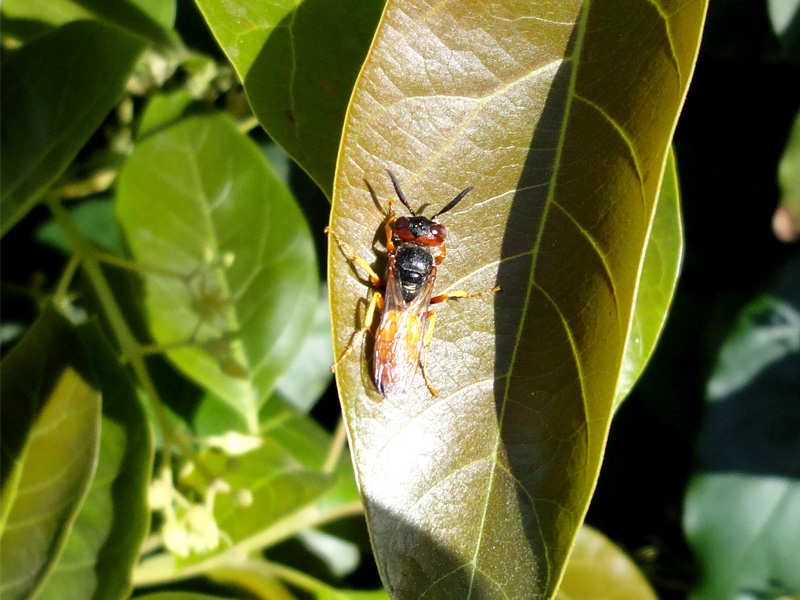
(419,229)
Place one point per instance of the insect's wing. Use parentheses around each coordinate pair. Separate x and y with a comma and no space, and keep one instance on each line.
(400,336)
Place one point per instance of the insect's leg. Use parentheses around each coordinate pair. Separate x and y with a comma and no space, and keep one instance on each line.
(463,294)
(348,251)
(425,347)
(377,301)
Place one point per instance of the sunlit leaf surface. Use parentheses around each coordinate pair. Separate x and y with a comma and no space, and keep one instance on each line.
(298,60)
(560,114)
(56,92)
(50,430)
(229,267)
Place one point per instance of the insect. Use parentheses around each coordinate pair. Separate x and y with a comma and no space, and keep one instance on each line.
(415,247)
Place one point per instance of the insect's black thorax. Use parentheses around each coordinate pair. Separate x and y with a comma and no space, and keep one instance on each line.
(414,263)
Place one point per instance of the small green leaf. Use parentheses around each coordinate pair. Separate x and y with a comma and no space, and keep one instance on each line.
(229,266)
(298,61)
(561,117)
(104,541)
(599,570)
(789,172)
(767,331)
(56,91)
(50,430)
(163,110)
(658,276)
(744,531)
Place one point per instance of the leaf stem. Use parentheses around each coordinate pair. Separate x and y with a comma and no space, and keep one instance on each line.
(337,445)
(128,346)
(296,578)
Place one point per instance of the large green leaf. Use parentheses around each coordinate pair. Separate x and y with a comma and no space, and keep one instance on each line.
(56,91)
(561,116)
(104,541)
(298,60)
(230,268)
(50,431)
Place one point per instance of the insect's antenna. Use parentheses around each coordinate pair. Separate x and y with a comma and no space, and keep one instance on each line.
(453,202)
(400,193)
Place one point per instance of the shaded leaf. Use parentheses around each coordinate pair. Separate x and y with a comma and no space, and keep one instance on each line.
(271,496)
(138,16)
(56,91)
(50,431)
(600,570)
(561,116)
(298,62)
(789,180)
(97,220)
(229,265)
(743,529)
(658,277)
(297,434)
(164,109)
(104,541)
(767,331)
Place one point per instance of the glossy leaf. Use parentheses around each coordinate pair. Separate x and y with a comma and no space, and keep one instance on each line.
(599,570)
(298,61)
(230,273)
(105,539)
(658,277)
(561,116)
(56,91)
(50,430)
(743,529)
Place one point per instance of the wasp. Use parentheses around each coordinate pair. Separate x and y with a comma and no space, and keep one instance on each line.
(416,247)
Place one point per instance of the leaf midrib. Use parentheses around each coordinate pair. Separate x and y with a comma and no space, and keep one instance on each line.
(574,58)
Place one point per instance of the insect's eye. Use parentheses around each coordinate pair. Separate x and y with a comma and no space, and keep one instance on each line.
(402,229)
(438,233)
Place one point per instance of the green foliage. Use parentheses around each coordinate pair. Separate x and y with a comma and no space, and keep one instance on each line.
(56,92)
(191,303)
(742,507)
